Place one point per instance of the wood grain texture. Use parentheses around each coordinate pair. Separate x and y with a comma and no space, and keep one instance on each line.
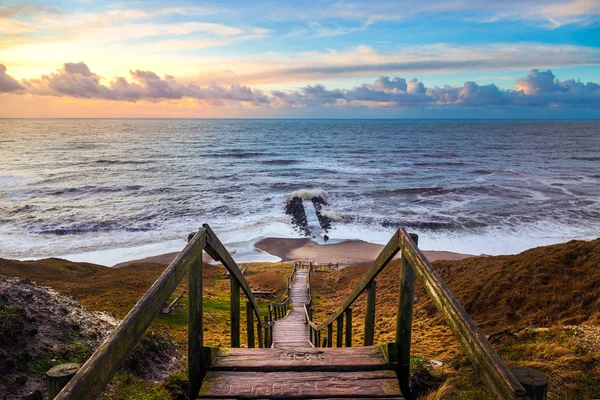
(195,328)
(300,359)
(484,357)
(306,385)
(291,331)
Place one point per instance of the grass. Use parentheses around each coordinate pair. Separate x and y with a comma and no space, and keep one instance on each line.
(116,291)
(547,296)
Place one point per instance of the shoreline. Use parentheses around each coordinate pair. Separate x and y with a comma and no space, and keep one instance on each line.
(344,253)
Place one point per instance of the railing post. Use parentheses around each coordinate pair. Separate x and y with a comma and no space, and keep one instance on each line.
(250,325)
(266,331)
(404,321)
(329,335)
(270,312)
(259,334)
(234,308)
(339,340)
(195,328)
(349,327)
(370,314)
(534,382)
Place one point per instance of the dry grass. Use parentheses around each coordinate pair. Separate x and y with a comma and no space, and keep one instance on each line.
(549,287)
(117,290)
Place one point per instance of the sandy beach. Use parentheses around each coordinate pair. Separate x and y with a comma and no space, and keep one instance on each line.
(346,253)
(350,252)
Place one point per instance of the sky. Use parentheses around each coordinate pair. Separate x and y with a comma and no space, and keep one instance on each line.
(300,59)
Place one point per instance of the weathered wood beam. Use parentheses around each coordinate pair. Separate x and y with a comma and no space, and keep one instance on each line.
(484,357)
(404,322)
(98,370)
(195,328)
(339,335)
(348,338)
(370,314)
(234,313)
(249,325)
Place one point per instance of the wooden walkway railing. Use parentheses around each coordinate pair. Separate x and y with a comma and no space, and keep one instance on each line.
(501,381)
(94,375)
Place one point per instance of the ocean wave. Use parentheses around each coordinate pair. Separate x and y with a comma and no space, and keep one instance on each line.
(280,162)
(123,162)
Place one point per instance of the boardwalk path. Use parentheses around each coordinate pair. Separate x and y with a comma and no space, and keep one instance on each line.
(296,370)
(291,331)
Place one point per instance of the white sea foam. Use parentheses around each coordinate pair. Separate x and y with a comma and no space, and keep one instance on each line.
(307,194)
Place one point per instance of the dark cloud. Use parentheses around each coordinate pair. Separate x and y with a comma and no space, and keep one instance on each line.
(8,83)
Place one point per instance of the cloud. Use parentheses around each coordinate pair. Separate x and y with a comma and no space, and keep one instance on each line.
(7,83)
(76,80)
(548,14)
(441,57)
(537,89)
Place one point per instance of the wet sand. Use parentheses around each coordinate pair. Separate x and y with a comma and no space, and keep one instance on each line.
(350,252)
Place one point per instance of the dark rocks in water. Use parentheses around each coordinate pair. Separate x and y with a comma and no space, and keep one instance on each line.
(324,221)
(295,209)
(325,238)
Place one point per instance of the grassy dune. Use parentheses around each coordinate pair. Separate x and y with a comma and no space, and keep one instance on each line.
(117,290)
(548,298)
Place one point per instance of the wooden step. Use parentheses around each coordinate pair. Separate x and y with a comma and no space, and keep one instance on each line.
(370,358)
(300,385)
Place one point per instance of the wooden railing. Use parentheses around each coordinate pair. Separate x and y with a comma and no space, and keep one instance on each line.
(279,310)
(496,375)
(94,375)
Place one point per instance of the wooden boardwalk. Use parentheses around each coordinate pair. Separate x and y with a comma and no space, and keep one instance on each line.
(292,330)
(294,368)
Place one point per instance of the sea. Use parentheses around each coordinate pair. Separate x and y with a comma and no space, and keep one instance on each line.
(112,190)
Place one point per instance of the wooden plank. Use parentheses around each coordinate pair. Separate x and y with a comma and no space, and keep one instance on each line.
(404,321)
(494,372)
(195,328)
(285,385)
(300,359)
(98,370)
(369,335)
(388,252)
(218,252)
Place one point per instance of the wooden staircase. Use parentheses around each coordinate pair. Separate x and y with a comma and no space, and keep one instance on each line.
(293,368)
(292,360)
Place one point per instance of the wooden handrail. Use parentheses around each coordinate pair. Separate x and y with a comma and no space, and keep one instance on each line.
(218,252)
(386,255)
(498,378)
(98,370)
(496,374)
